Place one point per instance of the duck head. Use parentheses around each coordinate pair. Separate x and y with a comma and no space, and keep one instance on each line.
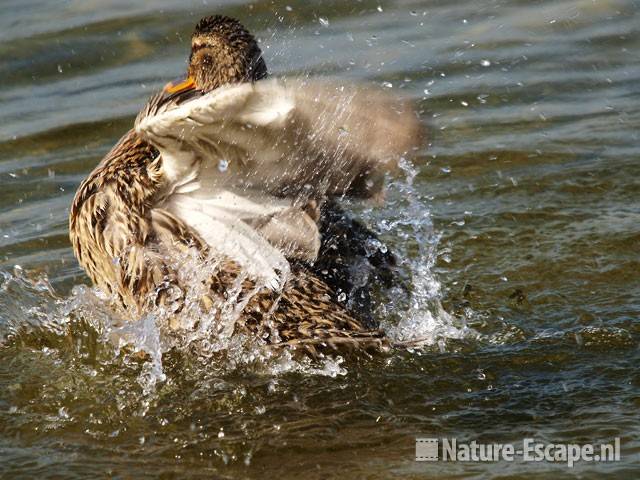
(223,52)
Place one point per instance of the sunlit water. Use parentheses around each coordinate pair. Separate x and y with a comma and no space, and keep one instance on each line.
(518,224)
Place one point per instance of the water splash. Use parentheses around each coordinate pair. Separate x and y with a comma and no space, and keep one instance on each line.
(33,314)
(144,336)
(30,306)
(421,320)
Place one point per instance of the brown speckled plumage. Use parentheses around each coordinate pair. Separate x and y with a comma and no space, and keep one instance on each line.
(123,239)
(116,233)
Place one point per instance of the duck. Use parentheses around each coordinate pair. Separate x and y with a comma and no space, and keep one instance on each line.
(239,169)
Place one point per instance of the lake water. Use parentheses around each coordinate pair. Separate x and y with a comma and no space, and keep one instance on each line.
(520,225)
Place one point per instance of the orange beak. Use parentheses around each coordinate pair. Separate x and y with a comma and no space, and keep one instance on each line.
(187,84)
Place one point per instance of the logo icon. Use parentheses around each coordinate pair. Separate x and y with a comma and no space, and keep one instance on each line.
(426,449)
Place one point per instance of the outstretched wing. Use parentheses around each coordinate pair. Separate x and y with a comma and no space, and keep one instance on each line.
(244,161)
(289,138)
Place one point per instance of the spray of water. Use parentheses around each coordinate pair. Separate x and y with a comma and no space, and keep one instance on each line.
(417,319)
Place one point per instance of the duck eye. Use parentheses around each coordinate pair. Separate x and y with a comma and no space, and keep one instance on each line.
(197,45)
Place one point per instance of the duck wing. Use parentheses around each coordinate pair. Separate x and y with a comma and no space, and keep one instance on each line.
(247,159)
(289,138)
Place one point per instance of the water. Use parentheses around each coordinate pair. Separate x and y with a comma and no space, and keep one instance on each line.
(519,224)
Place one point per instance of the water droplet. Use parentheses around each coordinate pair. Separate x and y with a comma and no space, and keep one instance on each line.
(485,63)
(464,104)
(371,246)
(379,8)
(220,434)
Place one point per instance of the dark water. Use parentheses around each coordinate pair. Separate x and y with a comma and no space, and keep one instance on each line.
(523,222)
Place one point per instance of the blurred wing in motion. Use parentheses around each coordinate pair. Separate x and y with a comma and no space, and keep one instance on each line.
(248,159)
(285,136)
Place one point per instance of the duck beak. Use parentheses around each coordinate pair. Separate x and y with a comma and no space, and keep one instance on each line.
(180,86)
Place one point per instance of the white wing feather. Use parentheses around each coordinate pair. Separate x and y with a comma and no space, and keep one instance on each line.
(247,152)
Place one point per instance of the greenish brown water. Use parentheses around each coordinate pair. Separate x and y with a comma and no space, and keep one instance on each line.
(523,222)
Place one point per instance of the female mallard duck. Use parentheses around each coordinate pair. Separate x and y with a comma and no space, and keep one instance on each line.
(237,170)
